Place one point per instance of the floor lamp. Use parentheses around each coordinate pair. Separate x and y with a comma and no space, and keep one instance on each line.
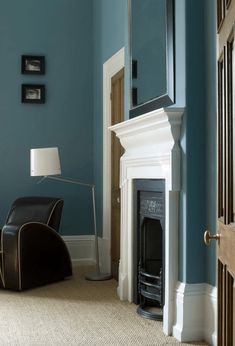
(45,162)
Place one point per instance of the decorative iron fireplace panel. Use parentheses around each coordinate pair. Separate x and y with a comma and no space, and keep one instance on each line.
(149,229)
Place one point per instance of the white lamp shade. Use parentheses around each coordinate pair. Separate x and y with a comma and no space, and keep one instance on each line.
(44,161)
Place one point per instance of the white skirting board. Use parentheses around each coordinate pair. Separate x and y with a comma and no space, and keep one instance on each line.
(196,313)
(81,249)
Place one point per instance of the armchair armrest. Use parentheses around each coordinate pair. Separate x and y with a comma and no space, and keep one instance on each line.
(10,267)
(34,255)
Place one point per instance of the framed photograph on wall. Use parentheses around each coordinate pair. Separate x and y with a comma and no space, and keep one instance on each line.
(32,64)
(33,93)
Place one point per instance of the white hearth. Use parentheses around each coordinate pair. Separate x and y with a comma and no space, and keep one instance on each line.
(152,151)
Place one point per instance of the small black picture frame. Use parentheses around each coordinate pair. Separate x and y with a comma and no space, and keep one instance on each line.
(32,64)
(33,93)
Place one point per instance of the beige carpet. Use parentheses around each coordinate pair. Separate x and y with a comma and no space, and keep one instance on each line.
(75,312)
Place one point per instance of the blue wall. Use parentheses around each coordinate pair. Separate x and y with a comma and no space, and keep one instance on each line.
(195,143)
(110,35)
(211,135)
(72,117)
(197,261)
(55,29)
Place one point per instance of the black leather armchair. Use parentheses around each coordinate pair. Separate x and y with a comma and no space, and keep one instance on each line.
(32,252)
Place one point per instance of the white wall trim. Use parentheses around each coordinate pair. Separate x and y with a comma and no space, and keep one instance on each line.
(210,325)
(110,68)
(81,249)
(196,313)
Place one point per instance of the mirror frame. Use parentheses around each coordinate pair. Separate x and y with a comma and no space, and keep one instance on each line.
(168,98)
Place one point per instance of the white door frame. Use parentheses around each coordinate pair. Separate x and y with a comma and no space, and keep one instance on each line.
(110,68)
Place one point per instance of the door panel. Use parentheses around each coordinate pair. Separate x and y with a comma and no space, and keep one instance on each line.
(221,137)
(117,101)
(226,322)
(226,226)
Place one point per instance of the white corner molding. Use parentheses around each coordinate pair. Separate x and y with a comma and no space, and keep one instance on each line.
(152,151)
(195,318)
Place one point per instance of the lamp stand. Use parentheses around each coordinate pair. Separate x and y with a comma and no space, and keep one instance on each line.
(97,275)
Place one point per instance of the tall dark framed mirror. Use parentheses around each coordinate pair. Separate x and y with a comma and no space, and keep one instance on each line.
(152,70)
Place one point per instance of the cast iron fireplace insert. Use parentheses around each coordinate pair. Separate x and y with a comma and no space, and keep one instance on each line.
(149,231)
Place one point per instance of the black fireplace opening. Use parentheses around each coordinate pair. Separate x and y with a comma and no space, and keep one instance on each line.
(149,234)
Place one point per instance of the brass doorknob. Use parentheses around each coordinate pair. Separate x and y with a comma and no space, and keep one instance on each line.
(208,237)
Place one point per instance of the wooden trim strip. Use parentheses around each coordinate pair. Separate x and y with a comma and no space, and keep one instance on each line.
(225,140)
(230,128)
(220,302)
(220,139)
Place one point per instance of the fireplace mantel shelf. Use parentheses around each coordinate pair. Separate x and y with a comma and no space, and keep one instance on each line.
(146,121)
(157,131)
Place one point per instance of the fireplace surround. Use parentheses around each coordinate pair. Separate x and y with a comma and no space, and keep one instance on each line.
(152,151)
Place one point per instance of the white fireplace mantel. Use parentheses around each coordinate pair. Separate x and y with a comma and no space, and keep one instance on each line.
(152,151)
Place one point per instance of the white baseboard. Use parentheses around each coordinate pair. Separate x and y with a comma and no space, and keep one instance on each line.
(210,331)
(195,319)
(81,249)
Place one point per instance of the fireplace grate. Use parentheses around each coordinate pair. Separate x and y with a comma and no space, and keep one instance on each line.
(150,288)
(148,282)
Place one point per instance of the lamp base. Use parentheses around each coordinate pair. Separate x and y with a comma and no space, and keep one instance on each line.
(98,276)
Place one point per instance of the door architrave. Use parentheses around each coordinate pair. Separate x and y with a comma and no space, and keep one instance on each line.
(110,68)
